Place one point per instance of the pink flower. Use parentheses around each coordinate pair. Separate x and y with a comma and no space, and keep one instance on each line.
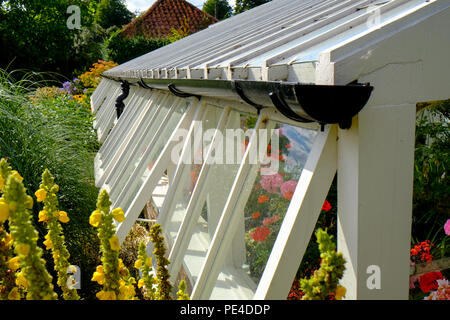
(442,292)
(270,220)
(271,182)
(447,227)
(288,188)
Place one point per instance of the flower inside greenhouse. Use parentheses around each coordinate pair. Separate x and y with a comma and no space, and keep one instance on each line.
(271,150)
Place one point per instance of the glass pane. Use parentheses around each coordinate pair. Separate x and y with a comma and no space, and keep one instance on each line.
(141,146)
(140,136)
(264,210)
(213,194)
(119,133)
(152,152)
(191,167)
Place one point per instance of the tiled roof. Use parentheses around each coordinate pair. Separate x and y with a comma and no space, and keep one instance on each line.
(164,15)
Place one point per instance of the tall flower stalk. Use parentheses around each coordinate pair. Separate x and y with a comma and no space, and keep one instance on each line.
(111,274)
(164,287)
(147,282)
(325,281)
(33,275)
(8,263)
(52,218)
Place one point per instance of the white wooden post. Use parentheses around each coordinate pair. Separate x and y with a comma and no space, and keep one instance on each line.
(375,181)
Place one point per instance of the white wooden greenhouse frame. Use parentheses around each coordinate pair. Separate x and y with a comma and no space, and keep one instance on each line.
(400,47)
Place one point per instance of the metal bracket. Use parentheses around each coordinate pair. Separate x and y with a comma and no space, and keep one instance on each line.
(142,84)
(241,94)
(282,106)
(120,105)
(179,93)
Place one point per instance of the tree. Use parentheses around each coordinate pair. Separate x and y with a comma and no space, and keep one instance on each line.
(220,9)
(34,34)
(244,5)
(112,13)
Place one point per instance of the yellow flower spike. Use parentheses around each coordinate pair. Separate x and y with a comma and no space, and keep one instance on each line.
(95,218)
(4,211)
(21,280)
(99,268)
(41,194)
(13,206)
(106,295)
(29,203)
(63,217)
(148,262)
(118,214)
(14,264)
(14,294)
(48,243)
(98,277)
(17,175)
(141,283)
(340,292)
(8,240)
(43,216)
(23,248)
(2,182)
(114,243)
(138,264)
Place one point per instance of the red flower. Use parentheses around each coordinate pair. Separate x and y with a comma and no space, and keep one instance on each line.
(288,146)
(326,206)
(421,252)
(263,198)
(260,234)
(427,281)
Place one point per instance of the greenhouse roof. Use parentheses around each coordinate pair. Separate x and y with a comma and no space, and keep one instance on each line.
(280,41)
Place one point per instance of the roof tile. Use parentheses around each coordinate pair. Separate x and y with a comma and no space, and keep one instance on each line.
(165,15)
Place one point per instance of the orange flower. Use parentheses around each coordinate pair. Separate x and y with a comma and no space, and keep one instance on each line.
(263,198)
(256,215)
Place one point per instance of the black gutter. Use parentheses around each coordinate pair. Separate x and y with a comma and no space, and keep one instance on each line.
(325,104)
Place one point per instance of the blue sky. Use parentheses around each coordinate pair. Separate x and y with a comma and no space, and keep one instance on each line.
(143,5)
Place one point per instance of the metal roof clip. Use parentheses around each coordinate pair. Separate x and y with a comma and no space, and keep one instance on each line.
(179,93)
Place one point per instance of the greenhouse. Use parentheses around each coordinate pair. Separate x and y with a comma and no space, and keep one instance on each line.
(331,85)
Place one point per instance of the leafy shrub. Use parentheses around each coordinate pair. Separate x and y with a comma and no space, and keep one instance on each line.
(122,49)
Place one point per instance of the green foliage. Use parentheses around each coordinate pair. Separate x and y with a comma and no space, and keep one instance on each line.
(36,35)
(431,206)
(112,13)
(244,5)
(54,133)
(89,43)
(219,9)
(122,49)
